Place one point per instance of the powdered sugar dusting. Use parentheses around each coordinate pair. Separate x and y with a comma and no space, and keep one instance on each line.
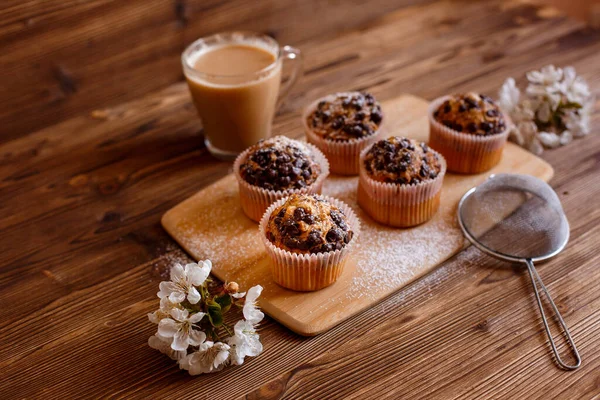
(215,227)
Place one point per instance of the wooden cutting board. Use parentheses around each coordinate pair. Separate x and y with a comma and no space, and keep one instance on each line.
(211,225)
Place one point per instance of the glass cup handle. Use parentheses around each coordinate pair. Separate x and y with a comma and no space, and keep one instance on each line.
(294,55)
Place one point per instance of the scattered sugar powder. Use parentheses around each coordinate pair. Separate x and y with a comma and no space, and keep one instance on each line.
(215,227)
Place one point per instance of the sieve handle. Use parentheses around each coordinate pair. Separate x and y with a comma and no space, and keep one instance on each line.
(535,280)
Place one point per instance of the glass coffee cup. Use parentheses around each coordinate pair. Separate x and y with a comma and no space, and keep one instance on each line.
(235,82)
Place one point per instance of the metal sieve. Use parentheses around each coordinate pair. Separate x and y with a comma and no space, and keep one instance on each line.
(519,218)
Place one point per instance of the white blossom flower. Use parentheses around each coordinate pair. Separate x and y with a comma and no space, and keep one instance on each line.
(565,138)
(549,139)
(245,342)
(163,345)
(536,147)
(166,305)
(182,328)
(548,75)
(514,135)
(251,313)
(575,87)
(577,121)
(509,95)
(238,295)
(210,357)
(183,281)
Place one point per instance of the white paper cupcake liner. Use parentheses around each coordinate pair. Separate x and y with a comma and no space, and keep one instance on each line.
(255,200)
(399,205)
(342,155)
(304,271)
(465,153)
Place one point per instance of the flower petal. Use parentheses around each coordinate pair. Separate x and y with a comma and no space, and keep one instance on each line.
(167,327)
(177,296)
(193,295)
(197,317)
(180,341)
(177,273)
(179,314)
(197,337)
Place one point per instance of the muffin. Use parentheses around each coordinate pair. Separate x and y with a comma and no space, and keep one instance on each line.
(400,182)
(341,126)
(308,237)
(469,130)
(275,168)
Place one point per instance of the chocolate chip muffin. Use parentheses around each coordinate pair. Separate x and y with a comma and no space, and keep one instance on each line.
(308,224)
(280,164)
(472,113)
(346,116)
(402,161)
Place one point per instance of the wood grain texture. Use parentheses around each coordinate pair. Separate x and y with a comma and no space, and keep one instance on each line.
(83,251)
(61,58)
(213,217)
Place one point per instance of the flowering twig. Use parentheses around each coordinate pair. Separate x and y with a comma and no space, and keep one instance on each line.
(555,107)
(190,314)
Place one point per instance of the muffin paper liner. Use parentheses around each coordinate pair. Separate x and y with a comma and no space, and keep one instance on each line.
(255,200)
(307,272)
(342,155)
(465,153)
(399,205)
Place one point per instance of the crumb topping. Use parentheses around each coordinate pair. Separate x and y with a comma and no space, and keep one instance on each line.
(348,116)
(280,163)
(471,113)
(401,160)
(308,224)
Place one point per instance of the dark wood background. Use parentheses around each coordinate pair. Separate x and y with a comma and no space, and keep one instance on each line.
(60,58)
(99,139)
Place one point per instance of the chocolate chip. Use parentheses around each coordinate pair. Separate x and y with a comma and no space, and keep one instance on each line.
(334,235)
(348,237)
(291,228)
(407,158)
(346,102)
(314,238)
(447,107)
(306,173)
(271,173)
(376,117)
(486,126)
(337,123)
(369,99)
(359,116)
(462,108)
(284,181)
(424,172)
(491,113)
(424,147)
(326,247)
(296,171)
(282,212)
(472,103)
(447,123)
(325,116)
(299,214)
(402,167)
(285,169)
(458,127)
(321,104)
(472,127)
(356,130)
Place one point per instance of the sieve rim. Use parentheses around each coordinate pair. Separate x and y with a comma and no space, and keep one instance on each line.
(495,253)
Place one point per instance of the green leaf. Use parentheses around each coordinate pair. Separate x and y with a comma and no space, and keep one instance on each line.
(214,313)
(224,301)
(572,104)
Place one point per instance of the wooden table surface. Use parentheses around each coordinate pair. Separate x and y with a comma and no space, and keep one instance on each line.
(82,250)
